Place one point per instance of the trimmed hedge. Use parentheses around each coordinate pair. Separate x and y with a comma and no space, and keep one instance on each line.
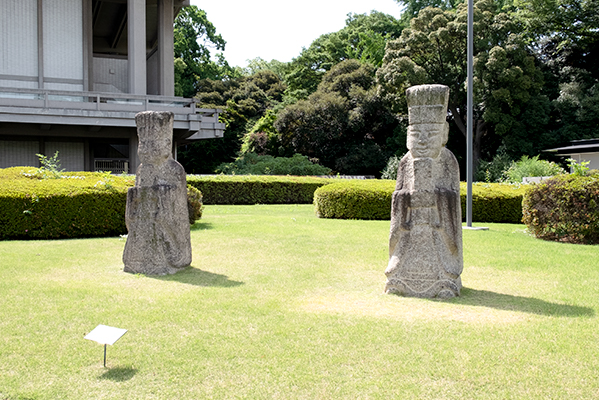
(564,208)
(83,204)
(491,202)
(87,204)
(355,199)
(256,189)
(494,202)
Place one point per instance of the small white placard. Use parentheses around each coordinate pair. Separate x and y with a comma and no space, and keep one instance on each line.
(105,334)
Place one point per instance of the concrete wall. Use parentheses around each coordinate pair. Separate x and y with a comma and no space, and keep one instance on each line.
(18,47)
(110,75)
(15,153)
(62,22)
(593,158)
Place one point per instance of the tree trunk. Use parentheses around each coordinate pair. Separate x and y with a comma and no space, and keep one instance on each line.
(479,130)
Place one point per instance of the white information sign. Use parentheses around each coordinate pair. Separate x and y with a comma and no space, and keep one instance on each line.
(105,334)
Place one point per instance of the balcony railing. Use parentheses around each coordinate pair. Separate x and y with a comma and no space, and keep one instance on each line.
(94,101)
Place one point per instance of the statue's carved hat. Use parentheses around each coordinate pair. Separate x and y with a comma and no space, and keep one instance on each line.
(427,104)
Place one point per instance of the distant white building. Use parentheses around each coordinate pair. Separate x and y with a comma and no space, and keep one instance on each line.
(73,74)
(581,150)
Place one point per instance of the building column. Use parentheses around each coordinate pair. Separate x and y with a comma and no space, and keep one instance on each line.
(136,46)
(166,51)
(88,46)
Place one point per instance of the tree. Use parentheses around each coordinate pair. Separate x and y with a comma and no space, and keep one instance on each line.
(565,36)
(362,38)
(245,100)
(194,36)
(344,124)
(413,7)
(506,79)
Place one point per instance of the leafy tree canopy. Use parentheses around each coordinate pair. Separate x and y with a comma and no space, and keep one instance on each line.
(194,37)
(433,50)
(362,38)
(344,124)
(244,101)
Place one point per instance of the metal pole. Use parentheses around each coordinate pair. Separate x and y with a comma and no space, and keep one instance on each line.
(469,118)
(104,356)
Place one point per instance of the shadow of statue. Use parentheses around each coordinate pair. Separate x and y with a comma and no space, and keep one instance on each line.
(201,226)
(197,277)
(485,298)
(119,374)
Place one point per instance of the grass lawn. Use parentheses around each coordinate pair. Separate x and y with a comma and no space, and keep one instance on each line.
(281,305)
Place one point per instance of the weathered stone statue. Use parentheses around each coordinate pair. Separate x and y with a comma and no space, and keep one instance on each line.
(425,242)
(157,218)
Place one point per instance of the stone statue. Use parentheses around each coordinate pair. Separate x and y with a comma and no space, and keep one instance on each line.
(425,241)
(157,218)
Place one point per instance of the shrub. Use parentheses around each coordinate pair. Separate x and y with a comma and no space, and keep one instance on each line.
(531,167)
(253,164)
(250,189)
(372,200)
(564,208)
(194,204)
(80,204)
(493,171)
(75,206)
(390,171)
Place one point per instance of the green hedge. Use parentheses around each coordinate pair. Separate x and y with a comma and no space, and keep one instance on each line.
(256,189)
(371,199)
(564,208)
(86,204)
(83,204)
(355,199)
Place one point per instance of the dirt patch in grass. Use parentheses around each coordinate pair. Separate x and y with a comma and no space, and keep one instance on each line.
(409,309)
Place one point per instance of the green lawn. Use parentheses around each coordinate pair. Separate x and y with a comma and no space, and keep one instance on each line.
(281,305)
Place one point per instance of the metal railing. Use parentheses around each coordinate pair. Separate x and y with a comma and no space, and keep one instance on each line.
(47,99)
(116,166)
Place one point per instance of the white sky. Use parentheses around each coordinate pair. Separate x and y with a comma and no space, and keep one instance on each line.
(279,29)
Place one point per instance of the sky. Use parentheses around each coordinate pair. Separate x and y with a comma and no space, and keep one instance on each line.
(279,29)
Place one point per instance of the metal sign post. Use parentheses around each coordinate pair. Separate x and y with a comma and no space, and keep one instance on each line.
(469,113)
(105,335)
(470,118)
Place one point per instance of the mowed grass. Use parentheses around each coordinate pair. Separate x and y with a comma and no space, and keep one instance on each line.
(279,304)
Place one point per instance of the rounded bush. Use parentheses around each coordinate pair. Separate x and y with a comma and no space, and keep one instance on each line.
(564,208)
(194,204)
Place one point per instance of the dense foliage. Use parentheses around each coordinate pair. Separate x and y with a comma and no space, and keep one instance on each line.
(363,38)
(244,101)
(194,35)
(372,200)
(535,86)
(531,167)
(564,208)
(344,124)
(253,164)
(507,82)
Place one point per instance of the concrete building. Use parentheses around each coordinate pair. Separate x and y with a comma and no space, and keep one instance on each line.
(580,150)
(73,74)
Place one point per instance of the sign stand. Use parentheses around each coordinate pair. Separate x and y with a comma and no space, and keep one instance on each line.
(105,335)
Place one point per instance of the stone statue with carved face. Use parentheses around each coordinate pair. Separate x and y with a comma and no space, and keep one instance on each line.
(425,241)
(157,217)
